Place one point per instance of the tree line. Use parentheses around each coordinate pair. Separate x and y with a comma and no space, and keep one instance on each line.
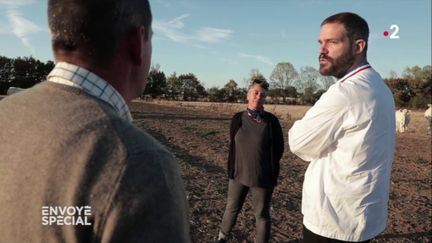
(22,72)
(414,88)
(287,85)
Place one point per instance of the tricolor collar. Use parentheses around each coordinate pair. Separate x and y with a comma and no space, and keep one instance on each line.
(355,71)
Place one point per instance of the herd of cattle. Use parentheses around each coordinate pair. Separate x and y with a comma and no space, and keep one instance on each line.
(403,118)
(402,115)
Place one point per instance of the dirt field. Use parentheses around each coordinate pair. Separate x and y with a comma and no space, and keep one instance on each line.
(197,133)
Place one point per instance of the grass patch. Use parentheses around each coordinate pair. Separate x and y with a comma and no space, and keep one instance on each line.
(189,128)
(420,160)
(209,133)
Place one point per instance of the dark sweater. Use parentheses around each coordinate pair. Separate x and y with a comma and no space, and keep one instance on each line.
(62,147)
(276,146)
(252,162)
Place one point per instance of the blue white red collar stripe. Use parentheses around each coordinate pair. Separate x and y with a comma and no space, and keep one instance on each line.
(354,72)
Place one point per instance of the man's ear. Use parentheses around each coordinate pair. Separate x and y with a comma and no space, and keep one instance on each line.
(360,46)
(135,41)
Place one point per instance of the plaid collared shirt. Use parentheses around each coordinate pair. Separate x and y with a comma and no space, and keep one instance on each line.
(72,75)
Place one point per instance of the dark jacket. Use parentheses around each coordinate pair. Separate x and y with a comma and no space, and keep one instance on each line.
(276,137)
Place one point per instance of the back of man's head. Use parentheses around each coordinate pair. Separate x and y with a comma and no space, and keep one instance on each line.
(356,27)
(95,28)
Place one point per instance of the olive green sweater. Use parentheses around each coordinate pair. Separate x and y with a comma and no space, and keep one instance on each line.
(61,147)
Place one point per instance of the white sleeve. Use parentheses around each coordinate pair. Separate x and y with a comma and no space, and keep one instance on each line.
(312,136)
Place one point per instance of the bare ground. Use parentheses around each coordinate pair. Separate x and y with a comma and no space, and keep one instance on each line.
(198,136)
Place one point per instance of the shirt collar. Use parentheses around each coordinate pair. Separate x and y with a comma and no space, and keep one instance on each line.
(76,76)
(355,71)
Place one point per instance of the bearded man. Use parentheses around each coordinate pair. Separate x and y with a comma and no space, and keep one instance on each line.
(349,138)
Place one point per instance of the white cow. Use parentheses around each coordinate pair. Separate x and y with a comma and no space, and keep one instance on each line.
(402,120)
(428,116)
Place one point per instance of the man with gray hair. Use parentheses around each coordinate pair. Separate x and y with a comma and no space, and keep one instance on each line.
(69,149)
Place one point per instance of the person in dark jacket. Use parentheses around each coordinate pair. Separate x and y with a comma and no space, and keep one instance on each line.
(256,147)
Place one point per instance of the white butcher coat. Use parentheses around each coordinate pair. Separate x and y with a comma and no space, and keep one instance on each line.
(349,138)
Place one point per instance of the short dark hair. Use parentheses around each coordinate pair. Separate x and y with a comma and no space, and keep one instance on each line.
(261,82)
(355,26)
(95,26)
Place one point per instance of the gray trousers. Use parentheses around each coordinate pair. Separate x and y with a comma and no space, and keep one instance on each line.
(261,198)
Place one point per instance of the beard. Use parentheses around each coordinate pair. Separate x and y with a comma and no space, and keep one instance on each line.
(336,67)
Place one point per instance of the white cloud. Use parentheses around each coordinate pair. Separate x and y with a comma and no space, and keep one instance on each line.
(213,35)
(15,3)
(22,27)
(258,58)
(19,26)
(177,22)
(175,31)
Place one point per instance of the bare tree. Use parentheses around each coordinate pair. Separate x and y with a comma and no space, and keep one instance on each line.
(283,75)
(392,74)
(283,79)
(326,81)
(254,74)
(418,73)
(308,78)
